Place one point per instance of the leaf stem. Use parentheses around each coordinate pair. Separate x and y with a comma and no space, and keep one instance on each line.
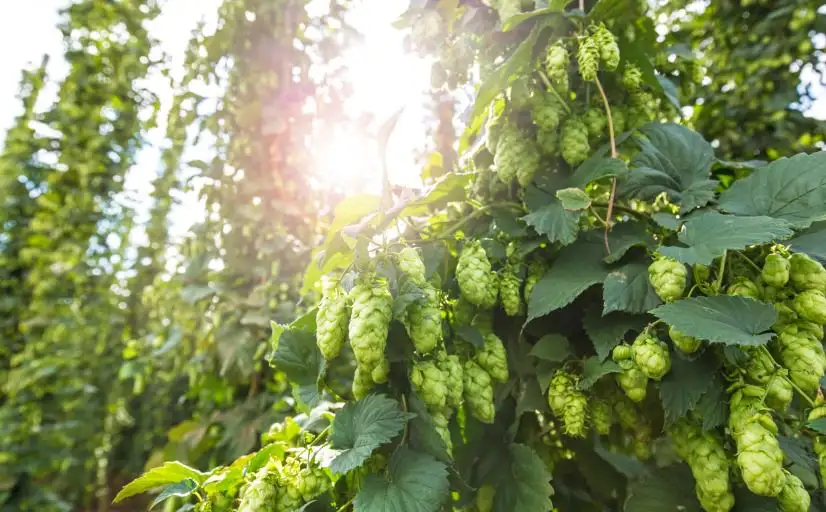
(553,91)
(613,142)
(722,271)
(748,260)
(343,507)
(795,386)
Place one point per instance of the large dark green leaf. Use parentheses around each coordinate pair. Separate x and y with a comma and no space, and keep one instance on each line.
(625,236)
(685,384)
(607,331)
(555,222)
(415,482)
(675,160)
(526,483)
(628,289)
(812,241)
(792,189)
(668,489)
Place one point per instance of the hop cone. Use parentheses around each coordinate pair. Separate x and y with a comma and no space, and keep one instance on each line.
(561,386)
(381,372)
(260,494)
(370,321)
(811,306)
(362,382)
(331,321)
(478,392)
(776,270)
(744,287)
(548,141)
(779,392)
(602,416)
(476,281)
(619,118)
(411,265)
(452,369)
(668,277)
(685,344)
(440,424)
(509,288)
(574,414)
(423,319)
(430,383)
(493,127)
(806,273)
(705,455)
(632,380)
(794,497)
(760,459)
(631,77)
(556,65)
(547,113)
(820,441)
(516,157)
(652,357)
(596,122)
(574,140)
(536,270)
(311,482)
(493,359)
(587,57)
(608,49)
(803,357)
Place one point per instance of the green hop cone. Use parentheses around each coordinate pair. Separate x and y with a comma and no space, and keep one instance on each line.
(331,321)
(547,112)
(785,316)
(311,482)
(516,157)
(759,367)
(811,306)
(430,383)
(668,277)
(509,291)
(820,441)
(618,117)
(806,273)
(779,391)
(596,122)
(478,390)
(452,368)
(536,270)
(602,416)
(258,495)
(622,352)
(775,270)
(493,359)
(411,265)
(627,414)
(548,141)
(745,403)
(473,273)
(484,498)
(706,457)
(631,77)
(362,382)
(804,358)
(574,141)
(587,57)
(440,424)
(556,65)
(493,127)
(609,51)
(632,380)
(743,287)
(794,497)
(651,355)
(423,319)
(574,414)
(562,384)
(685,344)
(641,443)
(760,458)
(381,372)
(370,319)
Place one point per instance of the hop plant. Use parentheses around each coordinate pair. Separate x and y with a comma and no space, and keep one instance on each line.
(411,265)
(478,392)
(806,273)
(493,127)
(362,382)
(705,455)
(794,497)
(509,291)
(596,121)
(556,65)
(452,369)
(440,424)
(609,51)
(516,157)
(311,482)
(430,383)
(423,319)
(574,414)
(651,355)
(776,270)
(381,372)
(631,77)
(759,456)
(536,270)
(803,357)
(820,441)
(574,141)
(473,273)
(743,287)
(562,384)
(587,57)
(632,380)
(370,321)
(259,494)
(685,344)
(331,320)
(602,416)
(547,112)
(668,277)
(493,359)
(811,306)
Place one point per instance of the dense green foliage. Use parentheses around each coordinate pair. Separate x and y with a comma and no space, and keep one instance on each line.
(581,299)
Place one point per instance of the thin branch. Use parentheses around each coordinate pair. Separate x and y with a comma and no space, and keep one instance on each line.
(613,142)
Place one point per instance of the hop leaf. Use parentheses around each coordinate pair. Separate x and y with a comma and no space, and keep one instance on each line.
(415,482)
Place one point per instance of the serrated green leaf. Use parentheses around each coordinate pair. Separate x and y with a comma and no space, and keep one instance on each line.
(708,235)
(712,407)
(297,355)
(415,482)
(684,385)
(812,241)
(168,473)
(554,7)
(792,189)
(799,459)
(625,236)
(594,369)
(573,198)
(745,501)
(628,289)
(625,464)
(722,319)
(595,168)
(552,347)
(670,91)
(577,268)
(471,335)
(361,427)
(666,220)
(675,160)
(607,331)
(423,436)
(530,397)
(668,489)
(181,489)
(526,483)
(555,222)
(818,425)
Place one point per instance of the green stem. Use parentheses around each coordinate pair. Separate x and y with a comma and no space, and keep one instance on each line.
(794,386)
(748,260)
(722,271)
(343,507)
(624,209)
(553,91)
